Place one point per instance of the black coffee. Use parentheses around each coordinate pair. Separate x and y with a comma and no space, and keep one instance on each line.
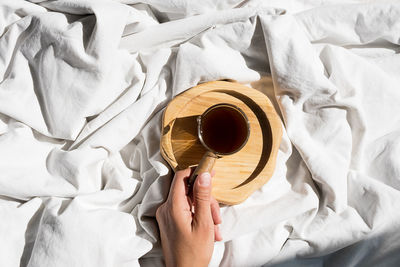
(224,129)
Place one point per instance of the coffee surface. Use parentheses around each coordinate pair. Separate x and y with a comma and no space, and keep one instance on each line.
(224,129)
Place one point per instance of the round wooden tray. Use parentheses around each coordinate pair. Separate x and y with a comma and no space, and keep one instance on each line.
(238,175)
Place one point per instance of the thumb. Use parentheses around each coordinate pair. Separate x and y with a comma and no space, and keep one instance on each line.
(202,199)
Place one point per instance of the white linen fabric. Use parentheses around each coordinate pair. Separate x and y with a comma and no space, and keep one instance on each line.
(82,88)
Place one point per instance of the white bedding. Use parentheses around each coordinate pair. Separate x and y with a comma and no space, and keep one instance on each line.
(80,106)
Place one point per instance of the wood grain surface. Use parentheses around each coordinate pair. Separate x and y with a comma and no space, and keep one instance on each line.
(238,175)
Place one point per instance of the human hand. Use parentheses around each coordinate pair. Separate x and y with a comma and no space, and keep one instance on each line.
(187,237)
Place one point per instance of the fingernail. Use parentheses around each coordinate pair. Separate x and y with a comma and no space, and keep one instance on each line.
(205,179)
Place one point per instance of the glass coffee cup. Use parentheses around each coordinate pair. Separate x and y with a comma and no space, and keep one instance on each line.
(223,129)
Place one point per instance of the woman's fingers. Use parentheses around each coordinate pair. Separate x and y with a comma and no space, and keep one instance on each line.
(205,203)
(216,215)
(177,195)
(178,183)
(202,200)
(178,186)
(217,233)
(215,211)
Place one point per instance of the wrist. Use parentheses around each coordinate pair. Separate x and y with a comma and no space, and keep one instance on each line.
(186,262)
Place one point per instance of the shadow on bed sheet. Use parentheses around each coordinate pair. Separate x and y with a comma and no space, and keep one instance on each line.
(382,250)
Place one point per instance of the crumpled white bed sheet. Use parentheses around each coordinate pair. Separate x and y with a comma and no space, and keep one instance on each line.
(82,88)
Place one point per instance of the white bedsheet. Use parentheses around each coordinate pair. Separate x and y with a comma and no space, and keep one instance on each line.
(80,106)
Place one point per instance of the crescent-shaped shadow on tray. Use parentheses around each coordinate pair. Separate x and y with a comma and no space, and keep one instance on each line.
(265,129)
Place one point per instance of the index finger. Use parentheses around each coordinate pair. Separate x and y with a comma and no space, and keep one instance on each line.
(178,186)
